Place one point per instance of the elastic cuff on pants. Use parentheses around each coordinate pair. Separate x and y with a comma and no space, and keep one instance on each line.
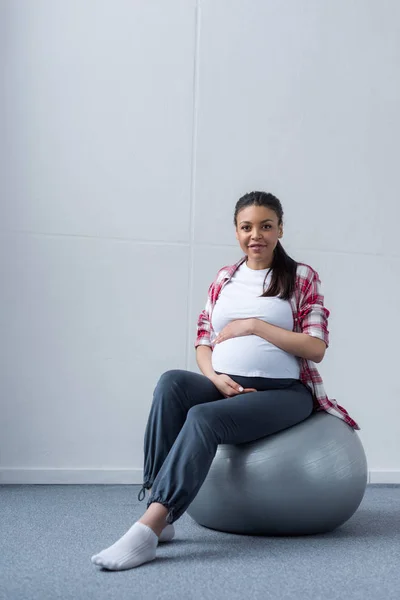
(170,518)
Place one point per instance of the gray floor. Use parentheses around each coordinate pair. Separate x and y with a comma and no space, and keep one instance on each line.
(49,533)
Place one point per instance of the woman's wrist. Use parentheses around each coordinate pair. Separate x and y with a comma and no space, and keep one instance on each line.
(204,361)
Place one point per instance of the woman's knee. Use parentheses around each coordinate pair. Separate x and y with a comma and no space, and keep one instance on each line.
(184,386)
(168,385)
(171,377)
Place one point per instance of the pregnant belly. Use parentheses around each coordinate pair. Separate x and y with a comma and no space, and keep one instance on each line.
(252,354)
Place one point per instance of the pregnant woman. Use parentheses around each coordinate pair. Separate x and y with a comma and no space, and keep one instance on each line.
(263,329)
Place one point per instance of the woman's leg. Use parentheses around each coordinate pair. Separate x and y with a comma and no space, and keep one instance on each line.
(176,392)
(239,419)
(242,418)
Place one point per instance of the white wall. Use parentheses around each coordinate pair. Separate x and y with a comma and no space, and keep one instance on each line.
(130,131)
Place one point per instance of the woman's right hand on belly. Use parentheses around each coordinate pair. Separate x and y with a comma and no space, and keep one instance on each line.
(228,387)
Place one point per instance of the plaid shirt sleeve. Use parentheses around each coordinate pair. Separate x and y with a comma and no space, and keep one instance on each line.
(204,323)
(313,316)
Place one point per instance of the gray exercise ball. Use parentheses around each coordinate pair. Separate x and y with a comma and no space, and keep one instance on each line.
(307,479)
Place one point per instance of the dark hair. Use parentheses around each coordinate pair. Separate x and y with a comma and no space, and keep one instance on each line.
(283,278)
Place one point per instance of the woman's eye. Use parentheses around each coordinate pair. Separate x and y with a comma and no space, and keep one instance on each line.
(246,226)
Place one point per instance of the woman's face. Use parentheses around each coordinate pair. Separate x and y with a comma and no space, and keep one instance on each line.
(258,225)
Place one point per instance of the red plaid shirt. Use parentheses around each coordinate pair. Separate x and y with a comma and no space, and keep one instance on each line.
(309,315)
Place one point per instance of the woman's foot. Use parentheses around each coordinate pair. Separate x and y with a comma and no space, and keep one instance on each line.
(136,547)
(167,534)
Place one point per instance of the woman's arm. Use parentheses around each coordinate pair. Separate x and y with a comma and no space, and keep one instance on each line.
(204,361)
(298,344)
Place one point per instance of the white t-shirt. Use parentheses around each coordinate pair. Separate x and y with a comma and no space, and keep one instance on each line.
(252,355)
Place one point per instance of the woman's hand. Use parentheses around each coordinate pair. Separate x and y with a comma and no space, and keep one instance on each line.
(228,387)
(236,328)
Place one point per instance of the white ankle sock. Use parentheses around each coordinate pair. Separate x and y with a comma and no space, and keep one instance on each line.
(137,546)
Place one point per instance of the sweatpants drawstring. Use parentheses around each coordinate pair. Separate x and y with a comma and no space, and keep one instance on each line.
(144,493)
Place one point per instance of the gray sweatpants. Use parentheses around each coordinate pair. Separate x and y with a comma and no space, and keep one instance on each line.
(189,417)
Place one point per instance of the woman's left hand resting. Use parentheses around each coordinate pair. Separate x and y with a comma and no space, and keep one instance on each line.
(236,328)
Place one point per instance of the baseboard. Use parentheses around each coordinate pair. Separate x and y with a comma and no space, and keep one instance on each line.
(384,476)
(121,476)
(70,476)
